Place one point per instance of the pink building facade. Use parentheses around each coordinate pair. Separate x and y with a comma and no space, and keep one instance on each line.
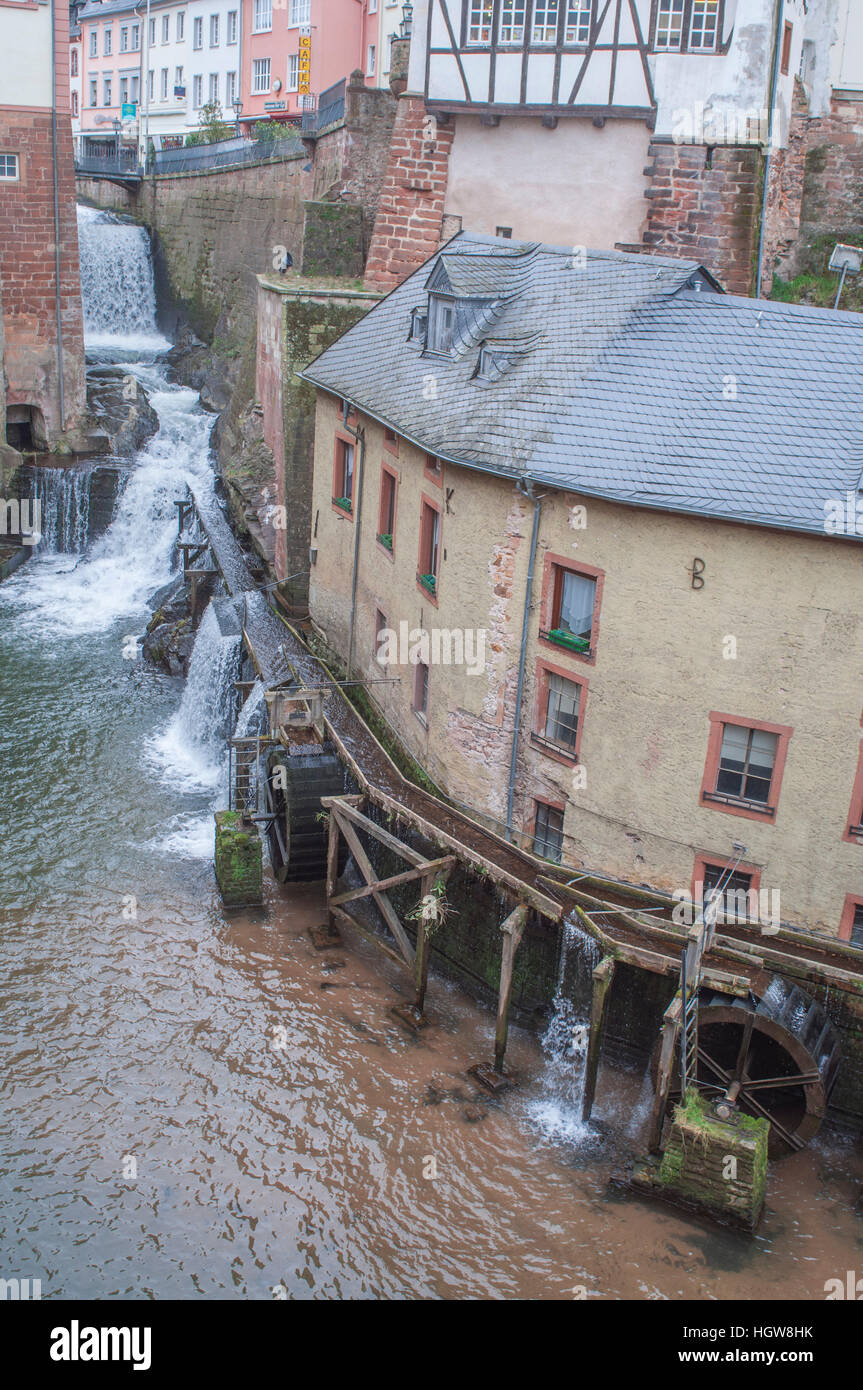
(297,49)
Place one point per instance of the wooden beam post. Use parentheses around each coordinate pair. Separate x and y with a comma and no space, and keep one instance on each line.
(332,863)
(670,1030)
(365,867)
(513,930)
(422,952)
(602,978)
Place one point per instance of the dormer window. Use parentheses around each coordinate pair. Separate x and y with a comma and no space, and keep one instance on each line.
(486,362)
(441,324)
(419,324)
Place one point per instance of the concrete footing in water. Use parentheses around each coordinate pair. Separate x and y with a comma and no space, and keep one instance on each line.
(239,861)
(716,1167)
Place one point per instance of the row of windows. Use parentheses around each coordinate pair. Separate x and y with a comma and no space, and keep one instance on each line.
(745,758)
(130,38)
(299,13)
(130,34)
(428,557)
(262,71)
(678,24)
(129,88)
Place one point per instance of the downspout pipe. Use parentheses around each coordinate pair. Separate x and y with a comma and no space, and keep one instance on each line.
(360,436)
(774,82)
(527,491)
(61,383)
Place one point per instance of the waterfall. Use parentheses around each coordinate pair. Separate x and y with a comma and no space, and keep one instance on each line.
(557,1111)
(249,719)
(117,286)
(63,499)
(192,751)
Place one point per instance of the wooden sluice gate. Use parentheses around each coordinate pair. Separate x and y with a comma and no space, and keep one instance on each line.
(766,1042)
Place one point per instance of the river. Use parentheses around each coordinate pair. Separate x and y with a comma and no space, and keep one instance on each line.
(197,1105)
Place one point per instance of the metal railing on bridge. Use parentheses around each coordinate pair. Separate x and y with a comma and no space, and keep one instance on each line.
(122,166)
(229,154)
(329,108)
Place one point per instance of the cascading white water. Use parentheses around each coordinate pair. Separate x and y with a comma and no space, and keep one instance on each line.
(114,577)
(102,589)
(63,497)
(193,748)
(117,283)
(249,718)
(557,1110)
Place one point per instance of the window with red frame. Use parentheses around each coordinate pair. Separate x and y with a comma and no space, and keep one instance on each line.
(391,439)
(856,937)
(433,465)
(548,832)
(344,479)
(560,722)
(747,758)
(429,547)
(733,885)
(421,688)
(387,513)
(573,599)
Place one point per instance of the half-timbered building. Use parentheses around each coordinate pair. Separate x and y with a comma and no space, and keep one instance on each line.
(638,124)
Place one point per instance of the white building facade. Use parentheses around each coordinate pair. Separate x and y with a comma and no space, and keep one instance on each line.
(215,57)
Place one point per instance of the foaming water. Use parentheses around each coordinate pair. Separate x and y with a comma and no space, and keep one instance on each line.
(117,284)
(556,1112)
(71,596)
(63,499)
(191,753)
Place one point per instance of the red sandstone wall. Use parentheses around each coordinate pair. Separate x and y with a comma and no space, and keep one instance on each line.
(704,205)
(27,259)
(410,211)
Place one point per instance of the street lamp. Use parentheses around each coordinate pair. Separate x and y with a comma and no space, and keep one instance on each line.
(407,20)
(238,107)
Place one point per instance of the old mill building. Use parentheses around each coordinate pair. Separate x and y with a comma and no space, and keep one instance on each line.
(635,497)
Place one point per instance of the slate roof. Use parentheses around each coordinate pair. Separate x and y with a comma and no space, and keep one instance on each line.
(614,376)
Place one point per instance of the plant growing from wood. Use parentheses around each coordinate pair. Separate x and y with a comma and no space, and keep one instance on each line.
(432,909)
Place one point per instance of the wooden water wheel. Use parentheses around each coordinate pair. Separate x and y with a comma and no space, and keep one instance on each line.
(775,1057)
(297,829)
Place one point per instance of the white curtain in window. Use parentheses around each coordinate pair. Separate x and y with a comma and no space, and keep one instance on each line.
(576,604)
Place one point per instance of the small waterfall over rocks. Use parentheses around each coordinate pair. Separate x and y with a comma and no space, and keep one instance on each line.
(117,283)
(63,497)
(202,725)
(557,1110)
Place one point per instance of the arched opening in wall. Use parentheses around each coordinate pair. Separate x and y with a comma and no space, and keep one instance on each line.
(25,427)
